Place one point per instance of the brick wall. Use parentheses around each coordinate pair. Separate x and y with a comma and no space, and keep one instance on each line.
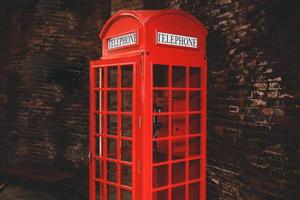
(50,46)
(3,86)
(117,5)
(253,119)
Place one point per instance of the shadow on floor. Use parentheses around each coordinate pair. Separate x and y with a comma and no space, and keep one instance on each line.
(20,191)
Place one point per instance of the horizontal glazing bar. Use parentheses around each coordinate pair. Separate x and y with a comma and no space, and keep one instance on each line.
(178,137)
(177,161)
(112,160)
(176,113)
(113,89)
(171,88)
(115,137)
(112,113)
(97,180)
(177,185)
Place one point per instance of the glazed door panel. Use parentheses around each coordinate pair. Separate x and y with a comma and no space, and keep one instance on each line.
(113,129)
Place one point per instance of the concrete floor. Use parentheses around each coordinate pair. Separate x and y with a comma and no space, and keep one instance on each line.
(20,191)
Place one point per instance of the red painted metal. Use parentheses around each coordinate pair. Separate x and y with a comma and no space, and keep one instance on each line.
(167,110)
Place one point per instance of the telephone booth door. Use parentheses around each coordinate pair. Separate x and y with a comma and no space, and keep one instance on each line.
(113,129)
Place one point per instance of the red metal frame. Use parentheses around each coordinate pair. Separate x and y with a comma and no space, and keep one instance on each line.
(182,146)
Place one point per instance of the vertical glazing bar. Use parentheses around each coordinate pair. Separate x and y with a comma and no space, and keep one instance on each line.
(105,134)
(119,134)
(203,129)
(187,109)
(133,135)
(91,137)
(170,132)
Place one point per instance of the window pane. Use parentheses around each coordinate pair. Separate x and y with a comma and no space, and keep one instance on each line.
(178,172)
(178,76)
(178,193)
(195,79)
(160,176)
(126,101)
(178,125)
(126,150)
(195,124)
(112,148)
(195,101)
(194,169)
(126,129)
(112,122)
(112,101)
(160,126)
(112,172)
(194,191)
(178,101)
(126,173)
(112,73)
(160,101)
(160,75)
(125,195)
(161,195)
(178,149)
(194,146)
(126,72)
(160,151)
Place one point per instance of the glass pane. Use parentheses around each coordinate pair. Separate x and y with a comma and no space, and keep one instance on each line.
(160,75)
(100,77)
(99,168)
(112,77)
(160,176)
(112,172)
(178,193)
(126,72)
(125,195)
(194,191)
(161,195)
(98,124)
(160,126)
(178,125)
(112,148)
(178,101)
(194,169)
(111,192)
(178,76)
(99,100)
(195,79)
(195,124)
(126,150)
(99,189)
(160,151)
(112,100)
(126,174)
(126,101)
(178,172)
(160,101)
(98,146)
(194,148)
(112,122)
(195,101)
(178,149)
(126,129)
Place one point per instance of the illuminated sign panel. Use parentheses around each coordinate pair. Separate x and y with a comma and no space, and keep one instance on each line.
(122,41)
(176,40)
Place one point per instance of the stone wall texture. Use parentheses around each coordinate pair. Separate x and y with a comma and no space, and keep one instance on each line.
(253,50)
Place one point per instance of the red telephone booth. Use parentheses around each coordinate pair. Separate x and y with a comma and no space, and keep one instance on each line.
(148,108)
